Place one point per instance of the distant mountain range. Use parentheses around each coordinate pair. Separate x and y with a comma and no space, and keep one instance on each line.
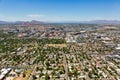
(22,22)
(102,22)
(85,22)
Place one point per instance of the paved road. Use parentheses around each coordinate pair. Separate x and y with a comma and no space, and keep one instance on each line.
(34,69)
(65,66)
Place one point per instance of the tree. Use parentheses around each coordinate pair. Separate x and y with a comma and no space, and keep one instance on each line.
(47,77)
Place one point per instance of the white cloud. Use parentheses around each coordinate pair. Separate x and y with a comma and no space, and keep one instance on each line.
(48,18)
(1,16)
(35,15)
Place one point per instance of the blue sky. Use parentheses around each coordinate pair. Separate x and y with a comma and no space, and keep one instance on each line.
(59,10)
